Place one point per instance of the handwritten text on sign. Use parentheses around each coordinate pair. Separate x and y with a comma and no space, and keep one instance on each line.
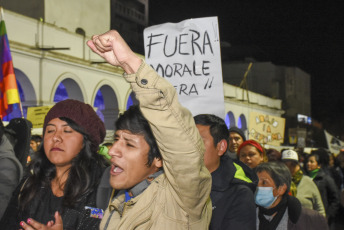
(188,55)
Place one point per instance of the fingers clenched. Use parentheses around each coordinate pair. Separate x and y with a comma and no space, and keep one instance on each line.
(31,224)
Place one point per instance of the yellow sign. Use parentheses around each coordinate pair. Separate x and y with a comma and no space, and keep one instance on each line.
(36,115)
(266,129)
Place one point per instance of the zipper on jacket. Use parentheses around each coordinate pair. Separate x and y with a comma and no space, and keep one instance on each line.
(125,205)
(108,220)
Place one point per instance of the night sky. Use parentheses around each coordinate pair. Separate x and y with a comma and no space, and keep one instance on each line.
(303,33)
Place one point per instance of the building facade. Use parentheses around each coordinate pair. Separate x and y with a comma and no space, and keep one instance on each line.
(49,60)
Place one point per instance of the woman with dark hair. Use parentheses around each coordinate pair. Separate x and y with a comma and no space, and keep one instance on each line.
(63,179)
(326,185)
(276,209)
(251,153)
(273,154)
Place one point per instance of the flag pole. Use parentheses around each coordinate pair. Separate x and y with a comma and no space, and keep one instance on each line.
(21,109)
(2,14)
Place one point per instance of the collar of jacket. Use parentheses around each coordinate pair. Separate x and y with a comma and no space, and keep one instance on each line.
(224,175)
(140,187)
(118,201)
(294,209)
(320,175)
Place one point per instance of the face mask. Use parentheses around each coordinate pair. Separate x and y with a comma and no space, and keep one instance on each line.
(264,196)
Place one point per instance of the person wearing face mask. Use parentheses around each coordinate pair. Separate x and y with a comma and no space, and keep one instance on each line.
(275,208)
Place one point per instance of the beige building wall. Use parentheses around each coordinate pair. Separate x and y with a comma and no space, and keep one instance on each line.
(93,16)
(41,71)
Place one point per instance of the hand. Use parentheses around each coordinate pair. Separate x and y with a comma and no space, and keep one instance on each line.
(31,224)
(112,47)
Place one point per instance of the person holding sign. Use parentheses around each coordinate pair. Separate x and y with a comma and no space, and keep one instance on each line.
(157,171)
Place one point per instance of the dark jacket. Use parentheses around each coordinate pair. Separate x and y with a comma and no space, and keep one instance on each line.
(329,193)
(43,207)
(303,218)
(298,217)
(232,198)
(11,172)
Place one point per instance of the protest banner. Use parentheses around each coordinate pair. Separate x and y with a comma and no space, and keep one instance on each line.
(266,129)
(188,55)
(334,144)
(37,114)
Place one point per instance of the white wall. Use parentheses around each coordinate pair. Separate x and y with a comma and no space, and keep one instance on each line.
(46,69)
(91,15)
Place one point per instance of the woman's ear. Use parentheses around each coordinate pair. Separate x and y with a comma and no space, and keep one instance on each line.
(282,189)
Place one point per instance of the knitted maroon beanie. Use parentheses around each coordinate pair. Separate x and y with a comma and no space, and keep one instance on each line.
(83,115)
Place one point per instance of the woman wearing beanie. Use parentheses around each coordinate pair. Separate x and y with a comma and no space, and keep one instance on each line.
(60,192)
(275,208)
(251,153)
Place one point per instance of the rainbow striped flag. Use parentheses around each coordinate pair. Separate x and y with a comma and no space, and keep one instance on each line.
(9,96)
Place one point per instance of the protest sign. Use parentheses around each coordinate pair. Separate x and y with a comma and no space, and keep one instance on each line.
(37,114)
(334,144)
(266,129)
(188,55)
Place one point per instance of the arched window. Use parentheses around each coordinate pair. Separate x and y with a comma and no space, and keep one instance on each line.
(132,100)
(107,106)
(242,124)
(68,88)
(99,103)
(230,119)
(61,93)
(26,91)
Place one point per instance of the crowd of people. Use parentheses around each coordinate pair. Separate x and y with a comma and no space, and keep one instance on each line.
(165,169)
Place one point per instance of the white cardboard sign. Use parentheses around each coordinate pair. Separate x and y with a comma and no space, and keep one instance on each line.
(188,55)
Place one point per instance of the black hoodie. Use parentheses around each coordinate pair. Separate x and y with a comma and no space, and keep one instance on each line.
(232,195)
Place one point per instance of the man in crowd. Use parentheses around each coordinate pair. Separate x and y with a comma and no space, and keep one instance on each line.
(233,183)
(157,156)
(236,138)
(302,186)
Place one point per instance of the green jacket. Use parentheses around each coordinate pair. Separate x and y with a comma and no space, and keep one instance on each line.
(179,198)
(309,195)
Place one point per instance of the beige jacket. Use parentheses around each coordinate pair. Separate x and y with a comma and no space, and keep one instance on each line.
(309,195)
(179,198)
